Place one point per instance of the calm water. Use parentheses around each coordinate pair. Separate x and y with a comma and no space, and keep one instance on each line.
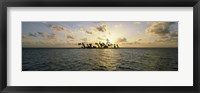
(100,59)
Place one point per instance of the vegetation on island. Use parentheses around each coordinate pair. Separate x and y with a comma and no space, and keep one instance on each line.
(98,45)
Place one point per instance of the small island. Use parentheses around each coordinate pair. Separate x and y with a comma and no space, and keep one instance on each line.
(100,45)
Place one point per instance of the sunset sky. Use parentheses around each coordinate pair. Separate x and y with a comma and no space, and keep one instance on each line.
(124,33)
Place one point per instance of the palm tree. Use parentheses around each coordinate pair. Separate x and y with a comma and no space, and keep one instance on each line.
(90,45)
(101,44)
(83,45)
(114,46)
(97,45)
(117,46)
(80,44)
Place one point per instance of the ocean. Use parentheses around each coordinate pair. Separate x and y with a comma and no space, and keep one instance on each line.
(135,59)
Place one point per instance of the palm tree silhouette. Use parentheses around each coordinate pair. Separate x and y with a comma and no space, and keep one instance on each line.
(99,45)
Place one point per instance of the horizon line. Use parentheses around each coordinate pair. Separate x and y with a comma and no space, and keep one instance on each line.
(98,48)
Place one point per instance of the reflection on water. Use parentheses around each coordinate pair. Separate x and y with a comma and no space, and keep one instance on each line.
(100,59)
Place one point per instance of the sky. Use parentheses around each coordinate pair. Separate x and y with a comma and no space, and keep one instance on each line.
(67,34)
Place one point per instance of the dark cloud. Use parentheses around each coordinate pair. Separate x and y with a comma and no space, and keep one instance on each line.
(166,31)
(171,37)
(102,28)
(41,34)
(121,39)
(56,28)
(159,28)
(32,34)
(86,31)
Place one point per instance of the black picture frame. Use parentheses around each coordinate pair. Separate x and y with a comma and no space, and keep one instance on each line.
(98,3)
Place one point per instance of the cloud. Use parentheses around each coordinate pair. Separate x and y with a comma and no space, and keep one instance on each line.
(164,31)
(171,37)
(47,40)
(95,29)
(163,40)
(86,31)
(100,38)
(41,34)
(51,39)
(102,28)
(57,28)
(136,42)
(173,34)
(51,36)
(139,40)
(131,43)
(26,40)
(128,43)
(121,39)
(159,28)
(32,34)
(84,39)
(70,37)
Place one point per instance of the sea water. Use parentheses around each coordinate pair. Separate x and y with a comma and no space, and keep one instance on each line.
(136,59)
